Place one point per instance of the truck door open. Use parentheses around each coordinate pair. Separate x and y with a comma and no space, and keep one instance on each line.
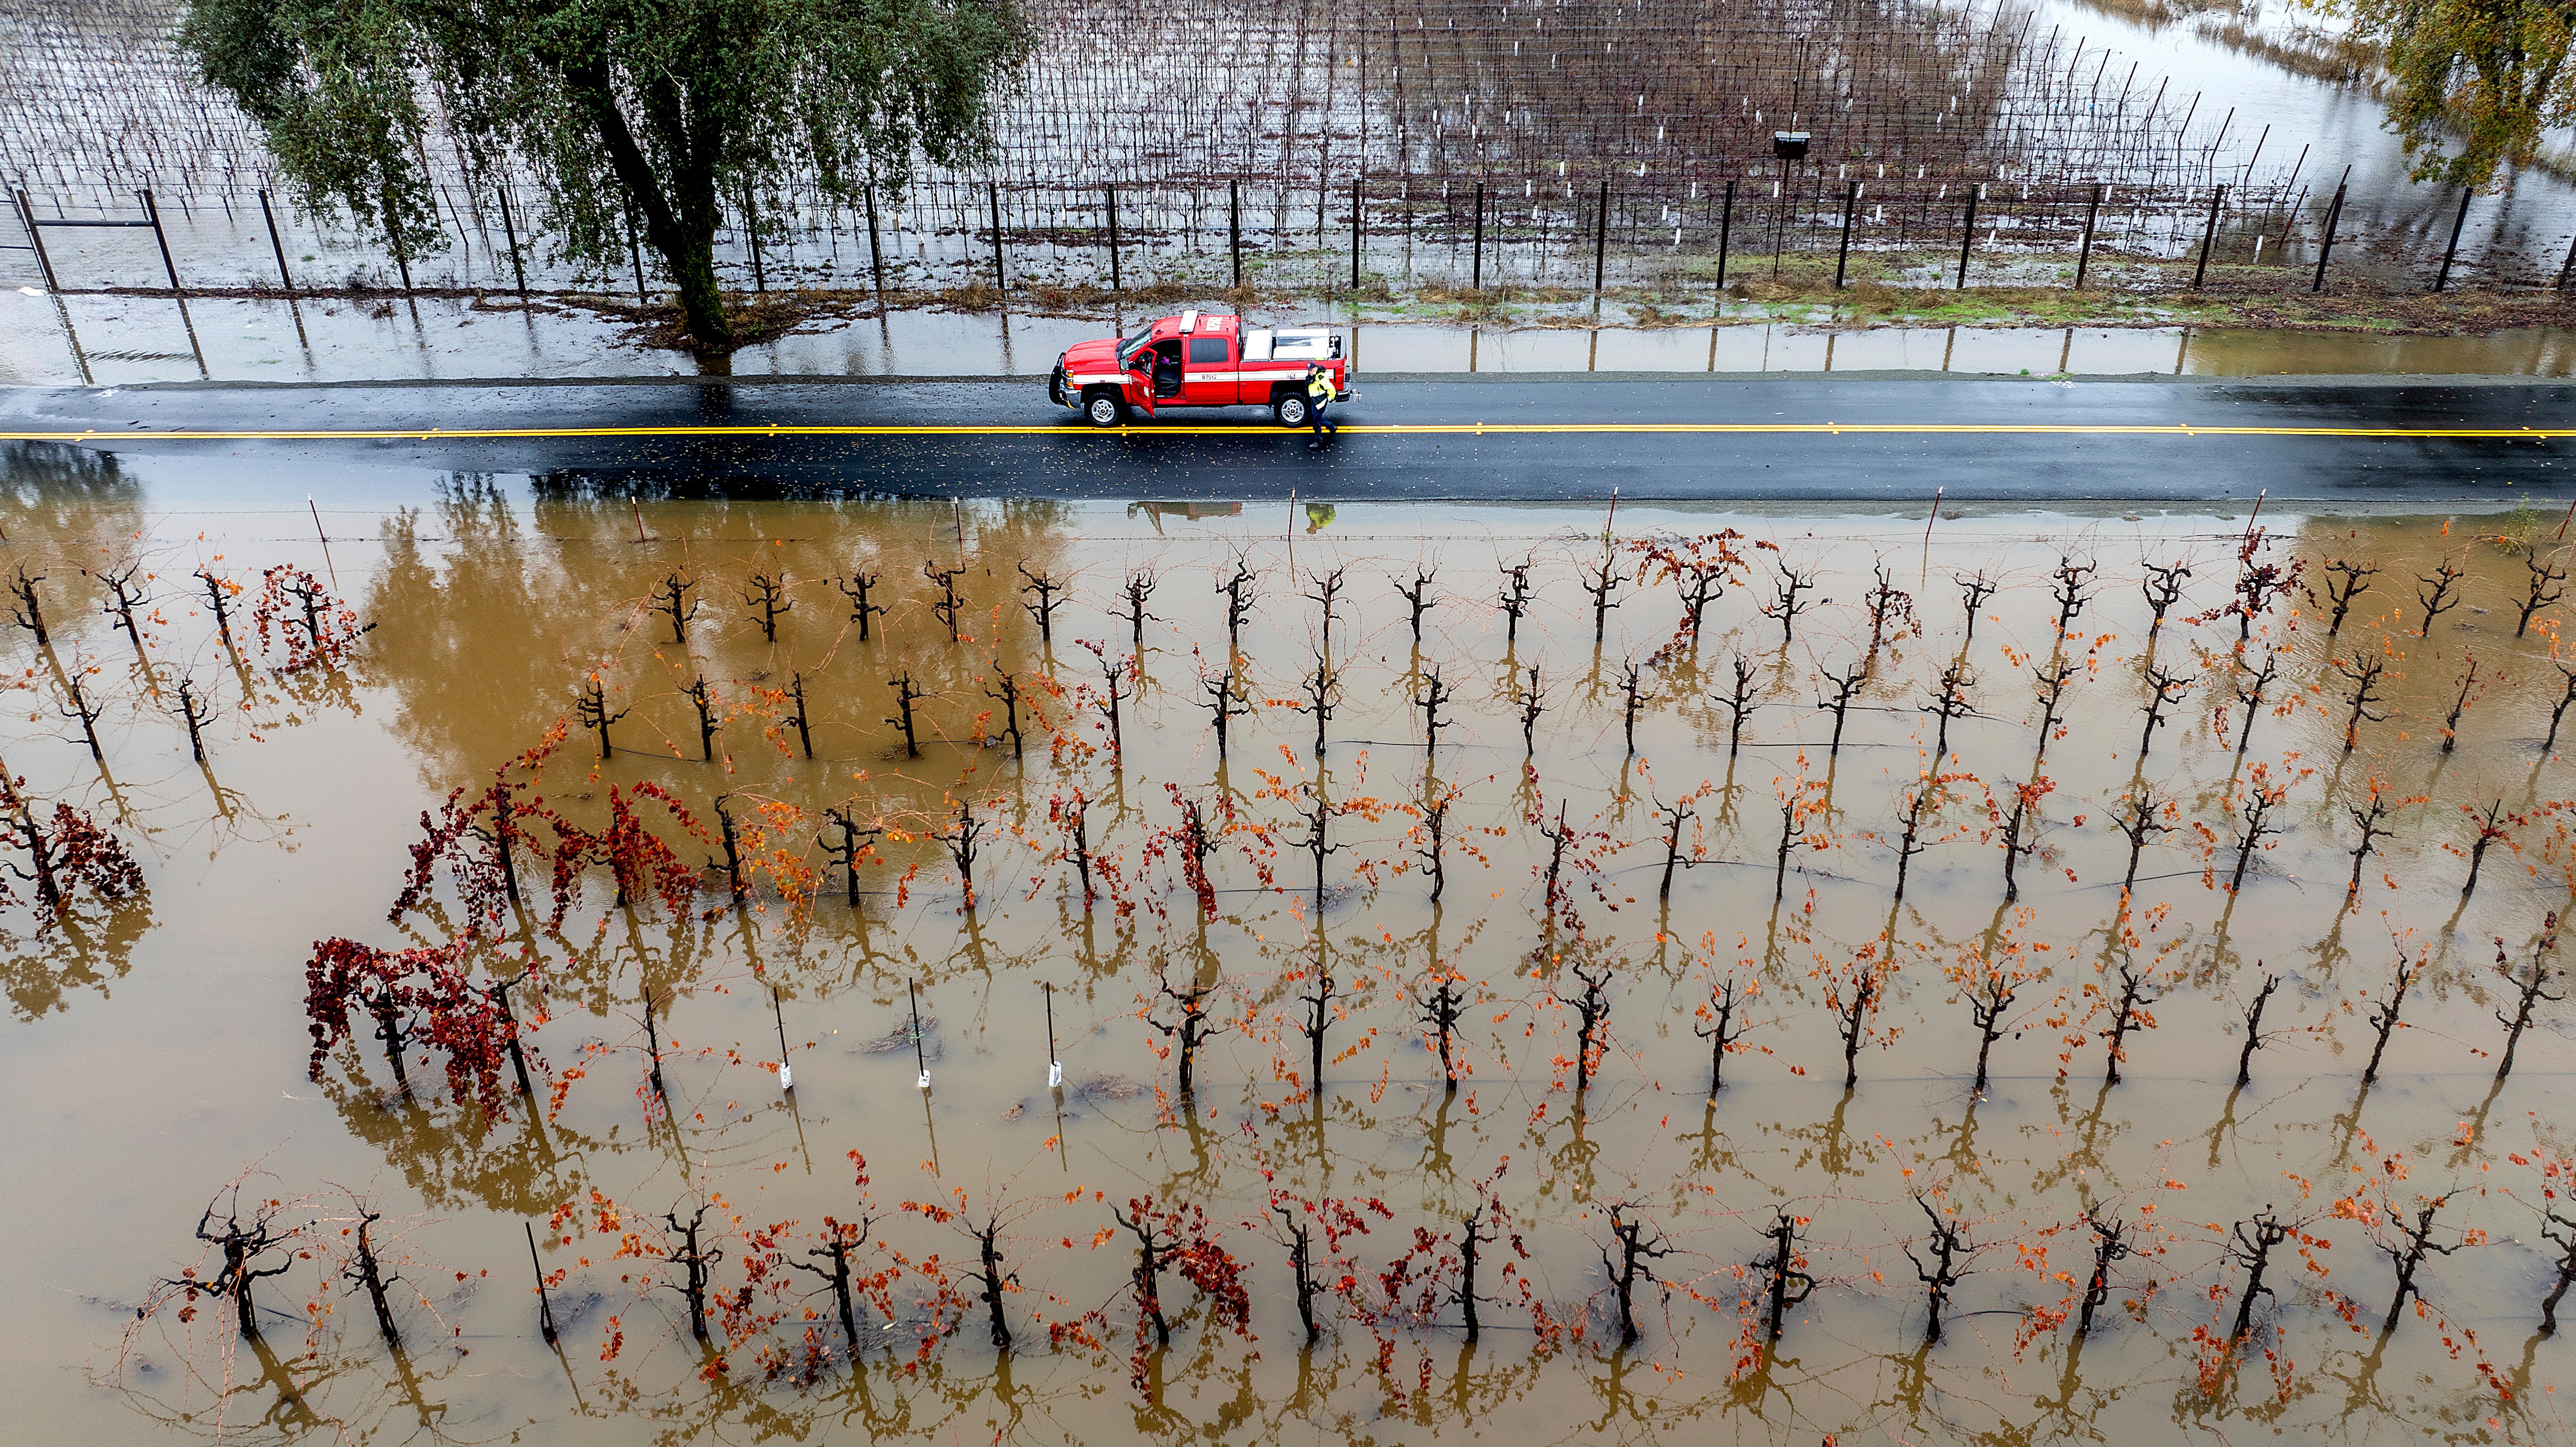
(1210,380)
(1148,370)
(1138,370)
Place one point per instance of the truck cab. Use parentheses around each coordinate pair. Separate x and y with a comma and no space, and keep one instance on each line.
(1197,359)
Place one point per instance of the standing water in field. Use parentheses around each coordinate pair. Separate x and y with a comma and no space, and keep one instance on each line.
(1515,972)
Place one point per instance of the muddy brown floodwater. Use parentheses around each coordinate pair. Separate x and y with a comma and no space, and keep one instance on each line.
(159,1044)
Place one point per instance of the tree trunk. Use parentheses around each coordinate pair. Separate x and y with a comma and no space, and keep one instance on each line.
(685,238)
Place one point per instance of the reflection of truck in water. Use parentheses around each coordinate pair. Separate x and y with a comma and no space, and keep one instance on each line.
(1155,512)
(1197,359)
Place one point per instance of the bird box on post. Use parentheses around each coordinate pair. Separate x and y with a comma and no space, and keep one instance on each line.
(1789,145)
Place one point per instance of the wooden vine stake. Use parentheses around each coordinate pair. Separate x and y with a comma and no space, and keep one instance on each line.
(1055,1067)
(545,1307)
(778,1012)
(918,1058)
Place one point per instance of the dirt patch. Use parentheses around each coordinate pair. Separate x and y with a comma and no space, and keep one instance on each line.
(1108,1087)
(759,317)
(900,1038)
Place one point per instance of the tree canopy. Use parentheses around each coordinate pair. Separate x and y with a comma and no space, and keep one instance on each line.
(645,113)
(2477,81)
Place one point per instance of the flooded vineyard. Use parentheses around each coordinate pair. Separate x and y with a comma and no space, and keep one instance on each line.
(2030,977)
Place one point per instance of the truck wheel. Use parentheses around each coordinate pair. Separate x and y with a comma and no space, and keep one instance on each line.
(1290,409)
(1104,409)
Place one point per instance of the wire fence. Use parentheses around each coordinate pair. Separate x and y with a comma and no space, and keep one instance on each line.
(1378,146)
(96,95)
(1373,237)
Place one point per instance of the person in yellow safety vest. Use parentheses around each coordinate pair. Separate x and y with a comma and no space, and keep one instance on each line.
(1319,395)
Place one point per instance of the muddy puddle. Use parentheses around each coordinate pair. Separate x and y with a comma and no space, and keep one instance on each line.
(1268,904)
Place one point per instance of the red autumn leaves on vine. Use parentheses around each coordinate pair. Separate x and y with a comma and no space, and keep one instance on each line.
(425,996)
(296,614)
(61,856)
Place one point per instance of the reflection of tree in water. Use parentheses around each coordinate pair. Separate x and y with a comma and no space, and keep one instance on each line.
(90,949)
(473,633)
(488,621)
(62,493)
(59,505)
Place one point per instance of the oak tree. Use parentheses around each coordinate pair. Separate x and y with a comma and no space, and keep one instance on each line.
(641,121)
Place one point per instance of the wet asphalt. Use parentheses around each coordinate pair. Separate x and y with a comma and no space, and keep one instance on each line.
(1239,454)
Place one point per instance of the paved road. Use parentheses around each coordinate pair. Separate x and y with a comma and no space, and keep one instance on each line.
(1852,437)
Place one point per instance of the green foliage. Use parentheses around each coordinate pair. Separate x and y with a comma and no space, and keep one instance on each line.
(2489,76)
(335,101)
(636,115)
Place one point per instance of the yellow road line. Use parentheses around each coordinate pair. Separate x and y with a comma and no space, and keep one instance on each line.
(1478,429)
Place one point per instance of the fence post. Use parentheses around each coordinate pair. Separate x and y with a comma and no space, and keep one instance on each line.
(1851,198)
(2334,214)
(993,197)
(284,278)
(2084,251)
(1975,189)
(1600,236)
(876,257)
(1725,228)
(2444,278)
(1234,228)
(1358,216)
(1114,287)
(1780,204)
(1476,248)
(2208,235)
(510,234)
(2564,267)
(27,217)
(751,233)
(152,214)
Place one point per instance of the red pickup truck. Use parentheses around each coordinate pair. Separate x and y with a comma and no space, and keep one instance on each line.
(1197,359)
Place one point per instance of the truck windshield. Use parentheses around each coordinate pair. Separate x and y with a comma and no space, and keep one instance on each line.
(1127,345)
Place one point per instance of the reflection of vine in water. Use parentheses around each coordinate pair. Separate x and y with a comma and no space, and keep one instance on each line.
(368,1306)
(1306,986)
(460,1159)
(844,1369)
(305,643)
(85,950)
